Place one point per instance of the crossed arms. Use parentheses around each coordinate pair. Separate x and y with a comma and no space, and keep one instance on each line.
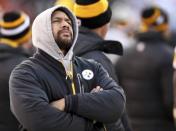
(31,106)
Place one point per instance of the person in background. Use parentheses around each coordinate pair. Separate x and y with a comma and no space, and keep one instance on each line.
(15,32)
(57,91)
(91,43)
(123,26)
(145,72)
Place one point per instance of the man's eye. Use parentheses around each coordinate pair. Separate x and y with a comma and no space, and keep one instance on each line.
(56,21)
(69,22)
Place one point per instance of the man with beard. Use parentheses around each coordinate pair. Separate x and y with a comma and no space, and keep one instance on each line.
(56,91)
(63,34)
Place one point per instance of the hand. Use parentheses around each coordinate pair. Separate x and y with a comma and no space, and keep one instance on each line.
(97,89)
(59,104)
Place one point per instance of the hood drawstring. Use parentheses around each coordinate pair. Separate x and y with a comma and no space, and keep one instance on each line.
(69,73)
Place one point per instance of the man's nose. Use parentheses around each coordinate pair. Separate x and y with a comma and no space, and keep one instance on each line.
(65,24)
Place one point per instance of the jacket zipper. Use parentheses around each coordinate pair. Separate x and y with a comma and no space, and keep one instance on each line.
(81,86)
(70,75)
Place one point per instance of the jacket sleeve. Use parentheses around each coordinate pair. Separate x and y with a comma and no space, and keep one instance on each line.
(30,105)
(105,106)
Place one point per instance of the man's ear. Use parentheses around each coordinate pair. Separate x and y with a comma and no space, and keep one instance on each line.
(79,22)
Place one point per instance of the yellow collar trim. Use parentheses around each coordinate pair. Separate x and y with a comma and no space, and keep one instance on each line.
(14,23)
(153,18)
(9,42)
(87,11)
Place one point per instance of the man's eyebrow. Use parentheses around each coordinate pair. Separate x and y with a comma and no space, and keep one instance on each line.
(57,18)
(67,19)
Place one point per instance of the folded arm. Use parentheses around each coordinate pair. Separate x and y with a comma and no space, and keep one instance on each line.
(105,106)
(30,105)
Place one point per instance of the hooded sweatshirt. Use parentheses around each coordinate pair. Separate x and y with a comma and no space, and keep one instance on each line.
(42,23)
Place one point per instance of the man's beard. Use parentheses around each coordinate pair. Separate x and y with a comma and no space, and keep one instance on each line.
(64,44)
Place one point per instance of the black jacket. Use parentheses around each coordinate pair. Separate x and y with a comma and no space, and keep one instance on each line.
(9,58)
(42,79)
(145,72)
(91,46)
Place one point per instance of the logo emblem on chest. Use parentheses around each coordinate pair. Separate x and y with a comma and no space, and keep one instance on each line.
(87,74)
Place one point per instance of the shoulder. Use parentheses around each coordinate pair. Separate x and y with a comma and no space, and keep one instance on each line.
(90,64)
(28,63)
(26,67)
(97,55)
(86,62)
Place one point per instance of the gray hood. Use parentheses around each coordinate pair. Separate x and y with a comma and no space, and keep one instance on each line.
(42,36)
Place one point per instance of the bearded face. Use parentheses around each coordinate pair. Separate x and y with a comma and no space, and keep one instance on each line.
(62,30)
(64,39)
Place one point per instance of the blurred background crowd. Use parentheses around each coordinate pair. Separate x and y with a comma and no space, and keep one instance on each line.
(146,69)
(126,13)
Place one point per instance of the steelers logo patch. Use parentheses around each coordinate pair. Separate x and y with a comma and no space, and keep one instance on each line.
(87,74)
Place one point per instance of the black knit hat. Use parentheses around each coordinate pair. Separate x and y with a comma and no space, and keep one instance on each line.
(92,13)
(154,18)
(15,26)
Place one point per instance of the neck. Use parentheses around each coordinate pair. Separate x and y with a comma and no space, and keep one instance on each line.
(99,32)
(64,52)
